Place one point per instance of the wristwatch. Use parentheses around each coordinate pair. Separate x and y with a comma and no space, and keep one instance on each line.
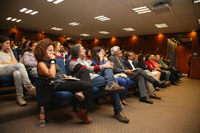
(52,61)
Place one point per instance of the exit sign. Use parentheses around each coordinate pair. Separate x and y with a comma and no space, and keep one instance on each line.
(179,35)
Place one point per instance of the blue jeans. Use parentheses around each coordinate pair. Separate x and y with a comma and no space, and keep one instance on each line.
(125,83)
(101,82)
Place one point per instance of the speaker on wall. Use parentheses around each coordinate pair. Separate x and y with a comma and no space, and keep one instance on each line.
(198,35)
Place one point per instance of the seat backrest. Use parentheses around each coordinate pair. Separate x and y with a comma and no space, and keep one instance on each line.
(15,54)
(62,64)
(67,64)
(66,57)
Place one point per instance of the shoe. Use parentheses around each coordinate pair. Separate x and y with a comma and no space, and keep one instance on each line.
(154,96)
(157,89)
(114,88)
(158,84)
(125,104)
(31,91)
(143,99)
(121,117)
(173,83)
(84,117)
(121,104)
(21,101)
(79,95)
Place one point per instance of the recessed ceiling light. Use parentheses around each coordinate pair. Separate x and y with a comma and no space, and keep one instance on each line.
(104,32)
(128,29)
(35,12)
(13,19)
(23,9)
(42,31)
(196,1)
(161,25)
(85,34)
(55,28)
(29,11)
(75,24)
(57,1)
(68,38)
(9,18)
(19,20)
(140,10)
(102,18)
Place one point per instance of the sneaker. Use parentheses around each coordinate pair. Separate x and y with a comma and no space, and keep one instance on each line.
(121,117)
(79,95)
(21,101)
(84,117)
(114,88)
(32,91)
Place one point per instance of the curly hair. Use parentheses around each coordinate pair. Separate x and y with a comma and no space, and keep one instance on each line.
(41,48)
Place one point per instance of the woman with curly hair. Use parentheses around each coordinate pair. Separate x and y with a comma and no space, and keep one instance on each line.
(48,68)
(10,67)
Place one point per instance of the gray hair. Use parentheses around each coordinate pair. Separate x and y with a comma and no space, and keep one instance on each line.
(75,50)
(114,49)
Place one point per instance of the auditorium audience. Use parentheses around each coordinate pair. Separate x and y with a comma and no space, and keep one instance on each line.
(88,53)
(98,59)
(48,68)
(133,74)
(105,80)
(10,67)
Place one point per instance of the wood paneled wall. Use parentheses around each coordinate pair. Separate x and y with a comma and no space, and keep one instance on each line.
(31,35)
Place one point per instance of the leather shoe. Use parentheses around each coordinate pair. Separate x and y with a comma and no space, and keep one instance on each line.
(121,117)
(173,83)
(143,99)
(154,96)
(125,104)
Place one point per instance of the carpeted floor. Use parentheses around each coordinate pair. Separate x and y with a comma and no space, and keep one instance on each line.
(177,112)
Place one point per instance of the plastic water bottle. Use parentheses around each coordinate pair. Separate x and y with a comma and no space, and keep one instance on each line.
(42,117)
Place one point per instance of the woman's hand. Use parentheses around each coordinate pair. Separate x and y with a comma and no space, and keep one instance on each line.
(108,65)
(51,56)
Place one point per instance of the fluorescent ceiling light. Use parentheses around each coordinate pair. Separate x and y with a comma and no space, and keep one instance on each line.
(85,34)
(23,9)
(29,11)
(144,12)
(55,28)
(104,32)
(140,10)
(13,19)
(9,18)
(49,0)
(161,25)
(19,20)
(74,24)
(128,29)
(57,1)
(102,18)
(35,12)
(196,1)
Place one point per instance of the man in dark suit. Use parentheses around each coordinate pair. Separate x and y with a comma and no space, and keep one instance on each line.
(138,75)
(128,62)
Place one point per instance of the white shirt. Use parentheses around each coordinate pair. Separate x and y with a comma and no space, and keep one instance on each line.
(131,62)
(5,57)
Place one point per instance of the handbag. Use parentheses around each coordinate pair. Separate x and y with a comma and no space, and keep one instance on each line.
(120,75)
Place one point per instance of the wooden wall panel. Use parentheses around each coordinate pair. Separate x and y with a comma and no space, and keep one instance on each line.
(183,53)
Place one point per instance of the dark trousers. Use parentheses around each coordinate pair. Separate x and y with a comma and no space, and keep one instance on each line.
(84,85)
(173,76)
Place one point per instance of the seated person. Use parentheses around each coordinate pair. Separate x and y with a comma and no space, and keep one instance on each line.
(88,53)
(48,68)
(173,76)
(105,81)
(138,74)
(10,67)
(62,50)
(58,54)
(28,59)
(151,66)
(98,59)
(129,63)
